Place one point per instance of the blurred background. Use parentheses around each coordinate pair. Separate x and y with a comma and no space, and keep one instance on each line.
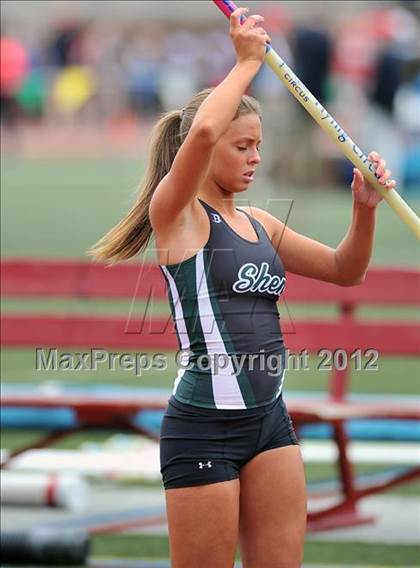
(82,84)
(70,68)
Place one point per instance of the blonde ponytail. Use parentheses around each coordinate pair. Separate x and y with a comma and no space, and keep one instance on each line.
(132,234)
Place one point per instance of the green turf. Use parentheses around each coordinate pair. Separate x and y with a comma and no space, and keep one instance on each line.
(14,438)
(129,546)
(79,306)
(161,308)
(58,208)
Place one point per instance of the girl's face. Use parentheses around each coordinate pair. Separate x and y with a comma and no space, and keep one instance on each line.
(236,154)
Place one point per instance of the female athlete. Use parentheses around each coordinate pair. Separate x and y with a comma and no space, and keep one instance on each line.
(230,461)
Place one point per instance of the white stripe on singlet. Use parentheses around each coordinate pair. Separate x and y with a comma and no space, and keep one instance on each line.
(180,325)
(226,392)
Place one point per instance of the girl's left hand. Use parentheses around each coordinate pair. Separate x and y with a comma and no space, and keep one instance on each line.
(363,192)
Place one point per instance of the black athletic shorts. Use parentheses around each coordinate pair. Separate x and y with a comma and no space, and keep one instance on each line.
(200,445)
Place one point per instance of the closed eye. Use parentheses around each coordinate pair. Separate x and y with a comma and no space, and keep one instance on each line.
(243,148)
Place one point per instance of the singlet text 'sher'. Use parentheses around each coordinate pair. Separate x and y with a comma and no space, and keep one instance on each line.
(252,278)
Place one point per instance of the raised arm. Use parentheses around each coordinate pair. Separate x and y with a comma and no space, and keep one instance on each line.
(178,188)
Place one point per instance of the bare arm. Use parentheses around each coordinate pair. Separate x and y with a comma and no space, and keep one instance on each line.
(191,163)
(213,118)
(347,264)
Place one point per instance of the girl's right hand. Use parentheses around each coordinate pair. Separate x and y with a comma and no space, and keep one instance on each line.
(250,40)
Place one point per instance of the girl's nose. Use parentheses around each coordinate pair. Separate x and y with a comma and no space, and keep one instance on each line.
(255,158)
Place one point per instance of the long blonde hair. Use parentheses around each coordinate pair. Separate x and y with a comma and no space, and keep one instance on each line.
(132,234)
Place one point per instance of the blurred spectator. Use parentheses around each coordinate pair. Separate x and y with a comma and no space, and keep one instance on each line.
(407,114)
(32,95)
(73,87)
(387,78)
(14,67)
(64,46)
(312,50)
(313,56)
(143,87)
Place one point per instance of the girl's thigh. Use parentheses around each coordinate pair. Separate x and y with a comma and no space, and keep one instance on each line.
(203,524)
(273,509)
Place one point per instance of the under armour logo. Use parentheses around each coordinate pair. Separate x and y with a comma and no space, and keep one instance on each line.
(216,218)
(201,465)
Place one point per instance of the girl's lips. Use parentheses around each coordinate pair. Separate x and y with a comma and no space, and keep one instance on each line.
(248,177)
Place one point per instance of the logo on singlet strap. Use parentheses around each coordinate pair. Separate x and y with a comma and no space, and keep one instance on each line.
(216,218)
(252,278)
